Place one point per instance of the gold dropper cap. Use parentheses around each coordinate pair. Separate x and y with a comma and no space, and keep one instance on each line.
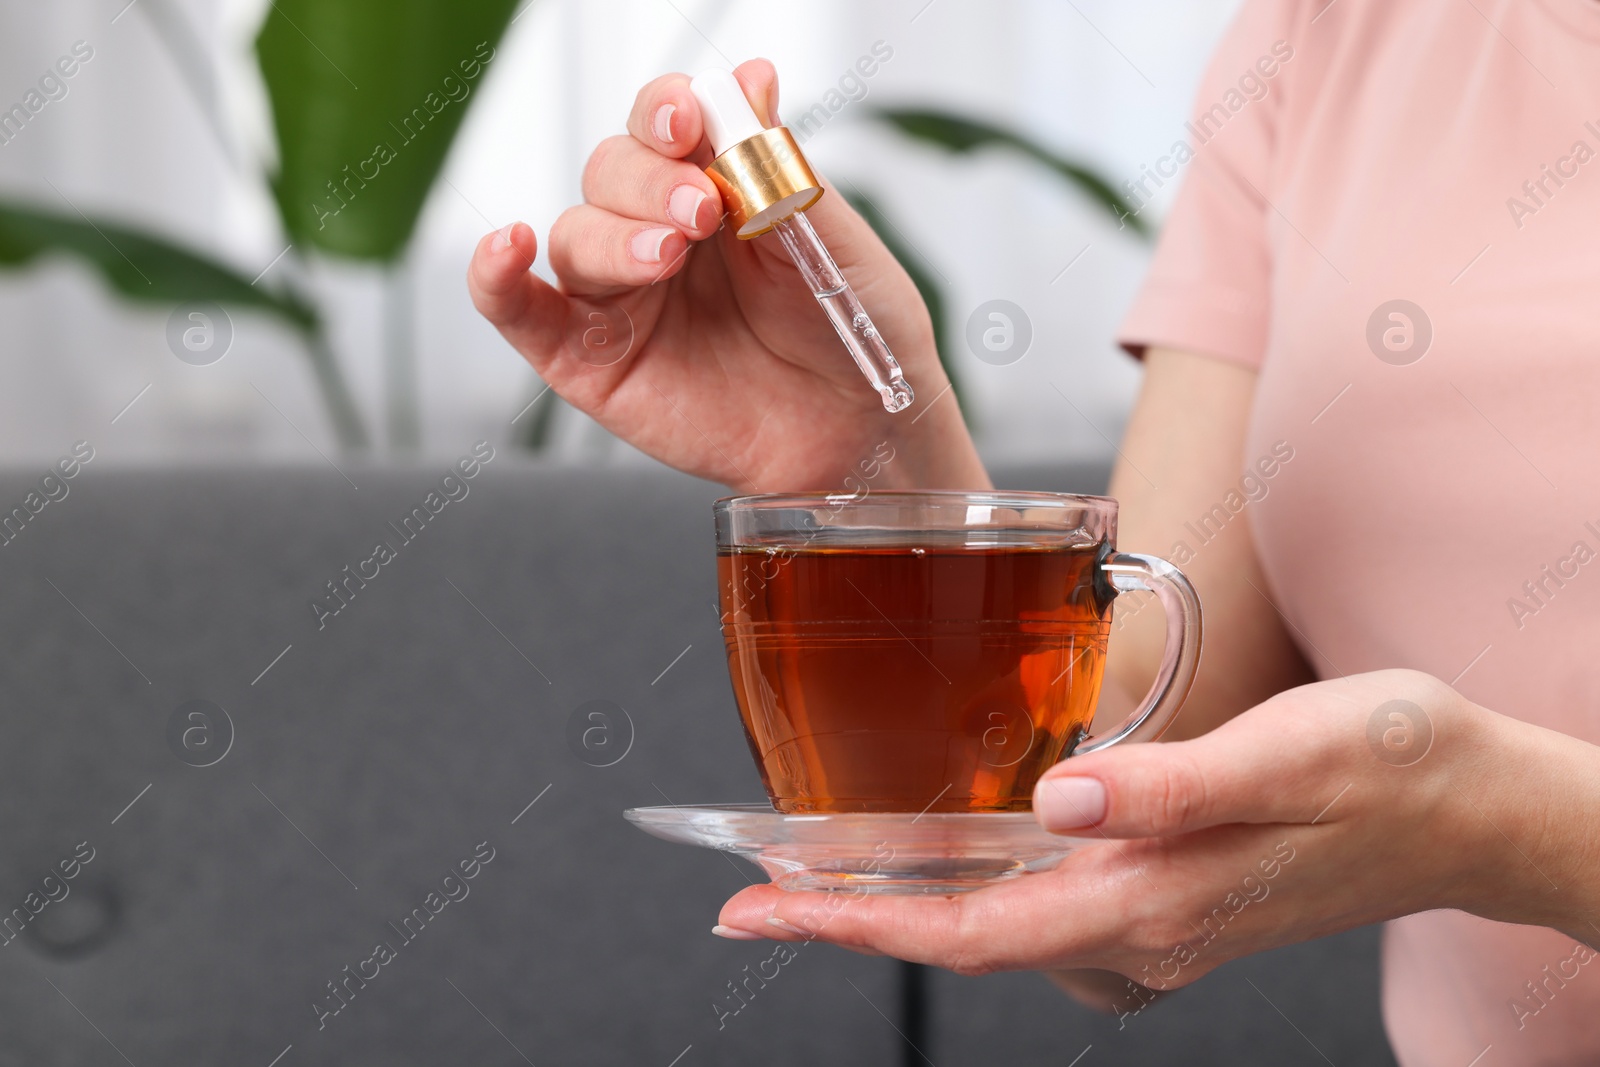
(764,178)
(759,170)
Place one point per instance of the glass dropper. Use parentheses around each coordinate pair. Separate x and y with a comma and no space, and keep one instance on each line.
(849,318)
(766,184)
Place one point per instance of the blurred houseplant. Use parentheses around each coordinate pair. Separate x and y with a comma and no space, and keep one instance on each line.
(366,97)
(961,136)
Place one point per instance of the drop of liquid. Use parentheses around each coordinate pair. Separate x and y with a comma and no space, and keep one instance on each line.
(861,322)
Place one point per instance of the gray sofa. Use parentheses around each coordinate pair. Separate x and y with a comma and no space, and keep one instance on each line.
(219,800)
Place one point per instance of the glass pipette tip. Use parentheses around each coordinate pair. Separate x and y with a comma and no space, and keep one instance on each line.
(849,318)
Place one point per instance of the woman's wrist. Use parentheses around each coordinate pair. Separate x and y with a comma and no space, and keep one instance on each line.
(1570,850)
(1543,808)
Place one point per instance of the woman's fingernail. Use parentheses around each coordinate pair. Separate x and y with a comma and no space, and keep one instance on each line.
(661,125)
(788,928)
(683,206)
(1069,803)
(735,935)
(645,246)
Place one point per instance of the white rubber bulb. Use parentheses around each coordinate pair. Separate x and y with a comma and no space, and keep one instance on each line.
(728,116)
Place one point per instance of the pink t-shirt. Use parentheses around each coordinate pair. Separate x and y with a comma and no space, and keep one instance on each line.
(1442,509)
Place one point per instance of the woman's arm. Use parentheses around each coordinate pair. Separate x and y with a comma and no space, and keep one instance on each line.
(1182,454)
(1330,806)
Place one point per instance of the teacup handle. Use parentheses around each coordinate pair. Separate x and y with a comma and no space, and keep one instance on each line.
(1129,571)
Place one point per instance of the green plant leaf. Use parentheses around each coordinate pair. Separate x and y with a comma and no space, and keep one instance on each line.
(367,96)
(962,135)
(932,294)
(136,264)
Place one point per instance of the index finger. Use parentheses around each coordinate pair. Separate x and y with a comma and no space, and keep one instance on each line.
(666,117)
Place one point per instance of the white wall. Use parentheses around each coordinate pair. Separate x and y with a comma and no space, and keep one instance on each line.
(1105,81)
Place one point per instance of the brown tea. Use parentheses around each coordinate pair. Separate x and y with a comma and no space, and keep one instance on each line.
(934,676)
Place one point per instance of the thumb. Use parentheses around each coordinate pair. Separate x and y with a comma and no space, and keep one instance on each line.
(527,310)
(1240,773)
(759,80)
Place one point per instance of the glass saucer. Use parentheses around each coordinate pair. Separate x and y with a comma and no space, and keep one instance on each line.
(874,852)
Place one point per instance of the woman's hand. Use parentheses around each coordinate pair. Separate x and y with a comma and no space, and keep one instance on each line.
(1327,807)
(709,352)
